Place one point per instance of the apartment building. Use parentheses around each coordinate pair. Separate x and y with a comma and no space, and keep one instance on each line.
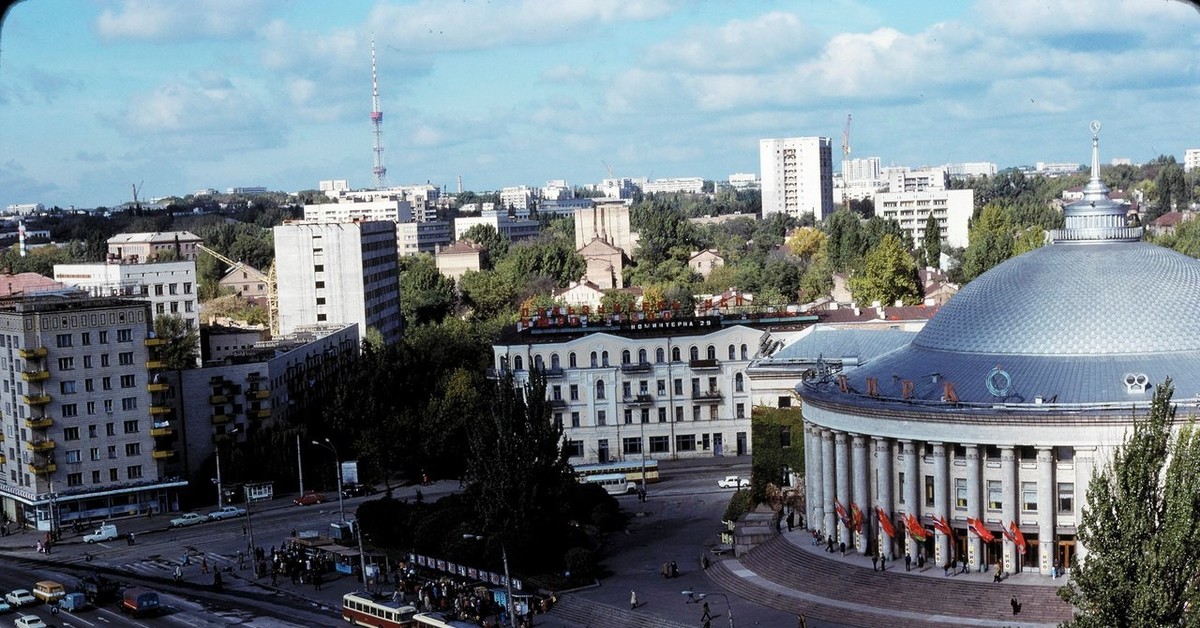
(797,176)
(951,208)
(151,247)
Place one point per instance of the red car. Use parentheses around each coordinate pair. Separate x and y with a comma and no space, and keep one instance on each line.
(309,498)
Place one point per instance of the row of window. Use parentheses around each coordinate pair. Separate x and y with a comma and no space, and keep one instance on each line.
(601,358)
(75,456)
(1065,495)
(63,341)
(739,385)
(125,358)
(632,446)
(602,415)
(133,472)
(131,426)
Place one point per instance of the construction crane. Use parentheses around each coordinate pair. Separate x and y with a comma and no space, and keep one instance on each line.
(845,158)
(136,188)
(268,278)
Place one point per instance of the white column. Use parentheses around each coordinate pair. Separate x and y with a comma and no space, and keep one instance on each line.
(941,503)
(974,505)
(1085,463)
(815,500)
(1008,506)
(1046,510)
(858,453)
(883,489)
(827,479)
(912,495)
(842,460)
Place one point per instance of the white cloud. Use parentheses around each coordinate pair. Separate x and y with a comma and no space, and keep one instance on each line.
(751,45)
(1026,19)
(565,73)
(179,20)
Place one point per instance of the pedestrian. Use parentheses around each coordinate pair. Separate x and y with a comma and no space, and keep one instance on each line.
(178,574)
(963,559)
(1016,606)
(674,570)
(632,600)
(274,577)
(842,546)
(666,570)
(243,529)
(946,569)
(791,519)
(908,562)
(874,562)
(316,578)
(203,564)
(829,544)
(882,561)
(1057,569)
(217,580)
(241,560)
(801,621)
(707,615)
(999,573)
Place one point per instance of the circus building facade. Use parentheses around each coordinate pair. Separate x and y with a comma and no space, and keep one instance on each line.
(978,438)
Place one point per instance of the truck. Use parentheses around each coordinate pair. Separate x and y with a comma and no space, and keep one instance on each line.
(98,589)
(139,602)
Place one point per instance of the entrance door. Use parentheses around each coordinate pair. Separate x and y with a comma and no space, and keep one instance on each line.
(718,444)
(1066,552)
(602,450)
(741,443)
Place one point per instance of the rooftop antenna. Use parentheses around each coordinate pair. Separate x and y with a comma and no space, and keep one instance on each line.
(379,170)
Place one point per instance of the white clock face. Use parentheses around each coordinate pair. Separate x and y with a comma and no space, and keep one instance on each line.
(1095,126)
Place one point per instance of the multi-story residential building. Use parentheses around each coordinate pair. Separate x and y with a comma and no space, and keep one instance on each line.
(797,176)
(556,189)
(334,185)
(512,228)
(952,208)
(968,169)
(517,200)
(338,273)
(246,282)
(621,188)
(743,181)
(665,388)
(456,259)
(422,237)
(682,185)
(1191,159)
(563,206)
(151,247)
(905,179)
(608,221)
(79,441)
(348,209)
(170,287)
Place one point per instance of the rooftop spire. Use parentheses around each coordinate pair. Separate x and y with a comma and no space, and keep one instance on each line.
(1095,217)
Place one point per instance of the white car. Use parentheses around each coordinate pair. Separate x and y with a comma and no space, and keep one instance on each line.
(733,481)
(106,532)
(30,621)
(190,519)
(20,597)
(228,512)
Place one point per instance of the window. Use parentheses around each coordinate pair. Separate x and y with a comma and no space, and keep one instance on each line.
(74,479)
(125,358)
(631,446)
(625,357)
(995,495)
(574,448)
(96,477)
(134,472)
(558,420)
(571,362)
(662,415)
(71,433)
(133,449)
(74,456)
(695,413)
(712,413)
(732,352)
(173,288)
(112,452)
(85,338)
(785,402)
(678,413)
(675,354)
(599,389)
(94,454)
(131,427)
(67,388)
(711,352)
(695,386)
(679,387)
(626,391)
(124,335)
(738,383)
(929,490)
(660,444)
(660,355)
(628,416)
(318,268)
(112,475)
(556,393)
(685,442)
(574,419)
(739,410)
(785,436)
(103,337)
(1029,497)
(66,364)
(518,363)
(604,358)
(63,340)
(160,308)
(110,429)
(554,361)
(129,403)
(645,415)
(601,417)
(573,392)
(744,354)
(661,387)
(158,289)
(128,381)
(187,287)
(104,360)
(642,356)
(320,285)
(87,361)
(694,353)
(70,410)
(92,431)
(89,385)
(1066,498)
(900,483)
(594,363)
(960,493)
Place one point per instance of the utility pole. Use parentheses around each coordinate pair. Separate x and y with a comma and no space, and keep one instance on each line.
(299,465)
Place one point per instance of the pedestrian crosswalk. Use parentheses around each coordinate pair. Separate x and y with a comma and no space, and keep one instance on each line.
(164,567)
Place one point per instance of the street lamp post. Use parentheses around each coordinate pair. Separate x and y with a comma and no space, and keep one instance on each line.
(337,463)
(508,597)
(696,597)
(220,489)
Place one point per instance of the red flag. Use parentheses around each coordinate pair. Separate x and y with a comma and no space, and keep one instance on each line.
(1017,537)
(841,513)
(856,518)
(885,523)
(915,529)
(983,533)
(942,526)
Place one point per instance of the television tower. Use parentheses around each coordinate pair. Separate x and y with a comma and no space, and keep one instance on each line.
(380,171)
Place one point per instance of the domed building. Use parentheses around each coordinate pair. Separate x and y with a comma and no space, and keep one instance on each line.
(1001,407)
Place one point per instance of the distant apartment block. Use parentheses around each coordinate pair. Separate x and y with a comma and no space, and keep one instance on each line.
(951,208)
(968,169)
(334,185)
(24,209)
(556,189)
(348,210)
(743,181)
(608,220)
(140,248)
(422,237)
(1057,169)
(512,228)
(618,188)
(251,189)
(797,176)
(904,179)
(677,185)
(338,273)
(517,200)
(169,287)
(1191,159)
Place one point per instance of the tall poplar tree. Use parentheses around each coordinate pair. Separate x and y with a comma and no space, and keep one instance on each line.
(1139,525)
(932,244)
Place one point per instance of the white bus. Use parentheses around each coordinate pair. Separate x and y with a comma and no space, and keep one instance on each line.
(614,483)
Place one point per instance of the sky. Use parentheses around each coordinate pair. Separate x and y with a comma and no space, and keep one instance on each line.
(174,96)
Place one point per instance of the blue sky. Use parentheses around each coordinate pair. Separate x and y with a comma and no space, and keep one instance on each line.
(181,95)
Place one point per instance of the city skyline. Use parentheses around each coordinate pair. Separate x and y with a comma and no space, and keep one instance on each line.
(179,96)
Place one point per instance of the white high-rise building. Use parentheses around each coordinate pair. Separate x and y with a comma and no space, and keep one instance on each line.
(339,273)
(797,176)
(1191,159)
(951,208)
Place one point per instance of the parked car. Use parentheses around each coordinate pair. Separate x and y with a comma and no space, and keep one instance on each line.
(228,512)
(309,498)
(190,519)
(354,490)
(4,606)
(733,481)
(105,532)
(30,621)
(20,597)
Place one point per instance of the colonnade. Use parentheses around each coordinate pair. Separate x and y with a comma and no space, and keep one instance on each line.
(859,470)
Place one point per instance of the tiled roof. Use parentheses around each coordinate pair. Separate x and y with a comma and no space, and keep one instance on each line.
(28,283)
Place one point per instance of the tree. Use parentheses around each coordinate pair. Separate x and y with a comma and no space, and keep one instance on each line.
(183,343)
(806,242)
(990,241)
(426,295)
(845,237)
(932,244)
(1143,564)
(486,293)
(817,280)
(495,246)
(613,299)
(889,274)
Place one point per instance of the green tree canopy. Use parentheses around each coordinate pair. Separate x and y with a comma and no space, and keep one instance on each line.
(487,294)
(931,247)
(1139,525)
(889,274)
(495,245)
(990,241)
(845,240)
(182,349)
(426,295)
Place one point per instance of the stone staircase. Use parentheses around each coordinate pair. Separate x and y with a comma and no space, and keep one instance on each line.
(573,611)
(829,588)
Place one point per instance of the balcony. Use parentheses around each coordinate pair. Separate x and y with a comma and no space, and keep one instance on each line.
(163,454)
(36,400)
(42,468)
(157,410)
(158,387)
(35,376)
(558,403)
(260,393)
(639,399)
(218,399)
(264,413)
(222,438)
(640,367)
(704,365)
(38,446)
(155,364)
(155,342)
(707,394)
(553,372)
(39,423)
(166,430)
(3,459)
(218,419)
(32,352)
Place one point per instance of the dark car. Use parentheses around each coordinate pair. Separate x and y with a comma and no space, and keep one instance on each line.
(355,490)
(309,498)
